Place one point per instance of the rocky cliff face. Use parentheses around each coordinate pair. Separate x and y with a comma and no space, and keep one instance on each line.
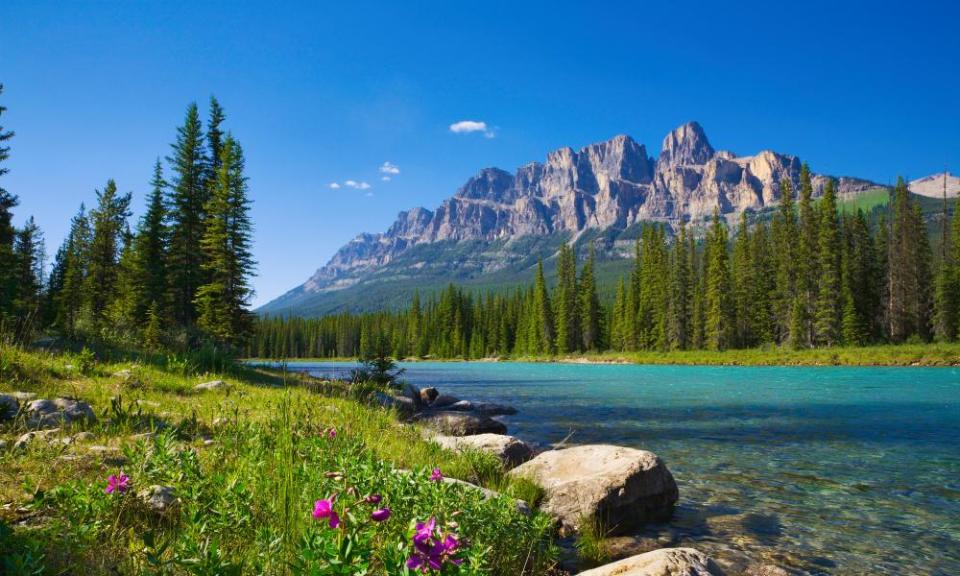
(610,184)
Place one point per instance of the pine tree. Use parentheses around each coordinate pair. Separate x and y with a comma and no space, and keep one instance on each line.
(29,254)
(566,303)
(541,315)
(8,202)
(829,298)
(762,285)
(678,310)
(185,271)
(909,269)
(743,282)
(947,283)
(785,263)
(69,299)
(222,302)
(802,314)
(150,251)
(618,329)
(590,320)
(718,309)
(109,222)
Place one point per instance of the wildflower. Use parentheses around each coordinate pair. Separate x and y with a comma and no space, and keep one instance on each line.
(119,483)
(380,515)
(323,508)
(431,549)
(374,499)
(334,520)
(436,476)
(331,432)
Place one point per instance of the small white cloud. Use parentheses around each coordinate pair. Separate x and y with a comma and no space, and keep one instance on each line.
(369,194)
(470,126)
(385,178)
(335,185)
(389,168)
(356,185)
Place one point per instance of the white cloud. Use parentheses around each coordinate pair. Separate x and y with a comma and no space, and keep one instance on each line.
(389,168)
(385,178)
(470,126)
(335,185)
(357,185)
(369,194)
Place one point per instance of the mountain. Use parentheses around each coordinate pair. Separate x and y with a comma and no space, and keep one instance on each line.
(498,222)
(932,186)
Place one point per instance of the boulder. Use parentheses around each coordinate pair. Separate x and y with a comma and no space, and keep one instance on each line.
(459,423)
(482,408)
(159,499)
(9,407)
(401,404)
(42,413)
(444,400)
(512,451)
(212,385)
(24,396)
(622,487)
(428,395)
(663,562)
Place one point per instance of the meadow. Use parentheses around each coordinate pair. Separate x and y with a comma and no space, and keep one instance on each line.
(270,474)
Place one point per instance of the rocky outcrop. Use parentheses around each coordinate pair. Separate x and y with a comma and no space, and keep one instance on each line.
(511,451)
(460,423)
(43,413)
(611,184)
(621,487)
(664,562)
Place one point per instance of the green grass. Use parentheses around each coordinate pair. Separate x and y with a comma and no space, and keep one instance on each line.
(247,464)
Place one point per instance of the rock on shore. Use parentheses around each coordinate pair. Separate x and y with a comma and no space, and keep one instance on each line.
(460,423)
(621,487)
(664,562)
(512,451)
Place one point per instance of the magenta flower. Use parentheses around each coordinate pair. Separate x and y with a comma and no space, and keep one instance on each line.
(119,483)
(431,549)
(334,520)
(380,515)
(374,499)
(332,433)
(323,508)
(436,476)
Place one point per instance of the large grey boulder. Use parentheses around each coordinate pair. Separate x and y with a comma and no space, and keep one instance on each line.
(42,413)
(512,451)
(663,562)
(621,487)
(460,423)
(9,407)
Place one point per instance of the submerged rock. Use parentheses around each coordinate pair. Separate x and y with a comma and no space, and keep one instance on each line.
(621,487)
(664,562)
(459,423)
(512,451)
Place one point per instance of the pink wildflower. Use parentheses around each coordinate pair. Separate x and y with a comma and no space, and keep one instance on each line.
(380,515)
(431,549)
(119,483)
(374,499)
(323,508)
(436,476)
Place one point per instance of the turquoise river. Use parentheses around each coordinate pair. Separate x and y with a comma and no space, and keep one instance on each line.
(822,470)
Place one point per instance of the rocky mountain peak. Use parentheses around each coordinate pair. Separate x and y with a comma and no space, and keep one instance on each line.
(686,145)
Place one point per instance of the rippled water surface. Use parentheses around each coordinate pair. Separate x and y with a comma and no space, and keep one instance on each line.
(829,470)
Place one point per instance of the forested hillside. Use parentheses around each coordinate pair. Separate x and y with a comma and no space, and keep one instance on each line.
(815,274)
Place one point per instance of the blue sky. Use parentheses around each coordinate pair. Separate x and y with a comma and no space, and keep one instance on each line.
(329,93)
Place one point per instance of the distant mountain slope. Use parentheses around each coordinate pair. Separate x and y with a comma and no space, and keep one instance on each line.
(932,186)
(497,224)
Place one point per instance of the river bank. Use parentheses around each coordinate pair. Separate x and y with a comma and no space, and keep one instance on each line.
(904,355)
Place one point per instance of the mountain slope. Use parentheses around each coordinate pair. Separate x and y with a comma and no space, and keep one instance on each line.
(497,224)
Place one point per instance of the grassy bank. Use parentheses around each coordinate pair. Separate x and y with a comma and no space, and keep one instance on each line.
(935,354)
(247,464)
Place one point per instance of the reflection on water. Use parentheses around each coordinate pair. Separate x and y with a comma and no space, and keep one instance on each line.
(827,470)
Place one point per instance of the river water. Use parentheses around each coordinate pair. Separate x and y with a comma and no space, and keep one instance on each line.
(824,470)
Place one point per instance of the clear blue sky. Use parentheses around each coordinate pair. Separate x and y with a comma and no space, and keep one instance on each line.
(321,94)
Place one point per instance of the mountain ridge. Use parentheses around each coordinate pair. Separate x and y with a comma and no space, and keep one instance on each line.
(613,184)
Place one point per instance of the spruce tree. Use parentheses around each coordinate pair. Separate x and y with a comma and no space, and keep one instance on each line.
(678,310)
(29,254)
(222,301)
(743,283)
(909,267)
(541,315)
(829,298)
(150,251)
(718,320)
(566,303)
(8,202)
(185,266)
(69,300)
(785,258)
(109,223)
(804,306)
(590,311)
(618,330)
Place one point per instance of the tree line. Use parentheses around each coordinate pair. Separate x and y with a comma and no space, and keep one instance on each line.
(176,278)
(811,275)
